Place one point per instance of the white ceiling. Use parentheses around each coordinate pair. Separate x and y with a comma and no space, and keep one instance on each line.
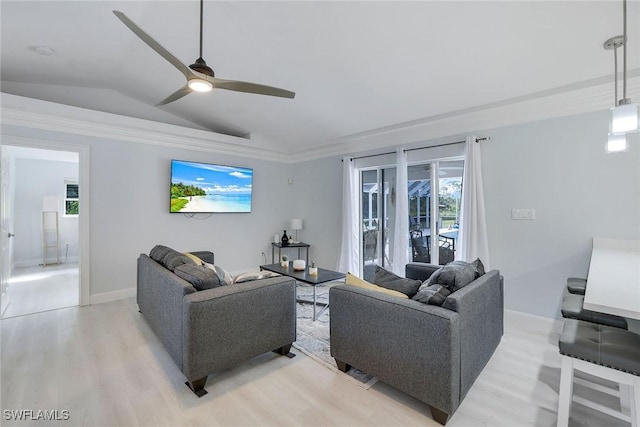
(355,66)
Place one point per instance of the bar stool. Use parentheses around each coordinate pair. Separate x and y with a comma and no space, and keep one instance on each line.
(576,285)
(605,352)
(572,308)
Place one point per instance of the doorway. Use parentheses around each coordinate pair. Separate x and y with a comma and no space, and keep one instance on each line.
(41,243)
(435,192)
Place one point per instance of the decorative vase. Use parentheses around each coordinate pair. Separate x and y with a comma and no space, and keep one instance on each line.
(285,240)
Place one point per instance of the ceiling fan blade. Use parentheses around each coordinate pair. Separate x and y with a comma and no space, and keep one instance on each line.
(239,86)
(185,90)
(153,44)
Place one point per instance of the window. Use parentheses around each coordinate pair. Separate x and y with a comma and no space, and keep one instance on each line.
(71,199)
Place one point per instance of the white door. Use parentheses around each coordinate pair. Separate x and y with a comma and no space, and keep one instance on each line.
(5,226)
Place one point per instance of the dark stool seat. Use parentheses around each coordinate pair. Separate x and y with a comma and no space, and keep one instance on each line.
(605,352)
(572,309)
(604,345)
(576,285)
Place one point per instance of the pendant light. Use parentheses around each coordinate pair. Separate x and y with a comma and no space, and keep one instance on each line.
(624,116)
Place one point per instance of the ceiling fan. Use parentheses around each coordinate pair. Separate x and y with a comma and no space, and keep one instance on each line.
(200,77)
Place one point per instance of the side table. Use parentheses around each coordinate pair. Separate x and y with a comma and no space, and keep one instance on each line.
(298,245)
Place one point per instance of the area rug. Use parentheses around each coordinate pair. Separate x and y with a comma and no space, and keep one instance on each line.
(313,337)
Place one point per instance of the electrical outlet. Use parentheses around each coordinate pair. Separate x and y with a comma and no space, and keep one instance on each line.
(527,214)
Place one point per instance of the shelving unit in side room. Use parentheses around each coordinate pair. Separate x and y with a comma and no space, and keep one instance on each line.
(50,237)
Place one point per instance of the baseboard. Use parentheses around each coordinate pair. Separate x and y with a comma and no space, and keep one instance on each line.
(38,262)
(553,324)
(113,296)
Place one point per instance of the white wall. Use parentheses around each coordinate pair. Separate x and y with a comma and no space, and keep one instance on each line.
(558,167)
(33,179)
(130,212)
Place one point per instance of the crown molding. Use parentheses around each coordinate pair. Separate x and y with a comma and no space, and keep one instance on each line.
(578,98)
(48,116)
(584,97)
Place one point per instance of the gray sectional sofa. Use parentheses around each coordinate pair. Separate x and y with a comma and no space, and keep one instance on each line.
(214,329)
(433,353)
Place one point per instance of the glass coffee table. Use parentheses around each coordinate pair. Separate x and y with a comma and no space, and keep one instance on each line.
(303,276)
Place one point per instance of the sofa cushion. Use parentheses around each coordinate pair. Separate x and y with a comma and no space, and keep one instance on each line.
(174,258)
(389,280)
(352,280)
(434,295)
(199,276)
(159,252)
(225,277)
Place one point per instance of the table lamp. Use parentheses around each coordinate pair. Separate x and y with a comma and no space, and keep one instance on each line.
(296,224)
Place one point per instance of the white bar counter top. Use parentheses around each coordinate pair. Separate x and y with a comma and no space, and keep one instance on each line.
(613,283)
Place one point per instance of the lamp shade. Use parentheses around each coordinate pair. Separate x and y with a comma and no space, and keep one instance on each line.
(624,118)
(296,224)
(617,143)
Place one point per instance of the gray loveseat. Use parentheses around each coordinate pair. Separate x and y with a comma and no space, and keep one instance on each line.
(214,329)
(430,352)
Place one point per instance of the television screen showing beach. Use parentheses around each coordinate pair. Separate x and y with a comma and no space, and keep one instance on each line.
(208,188)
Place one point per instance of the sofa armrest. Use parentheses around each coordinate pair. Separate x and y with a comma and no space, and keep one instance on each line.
(420,270)
(159,297)
(480,305)
(226,325)
(405,343)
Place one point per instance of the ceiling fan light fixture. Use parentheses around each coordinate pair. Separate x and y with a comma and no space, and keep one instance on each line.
(624,118)
(617,143)
(200,85)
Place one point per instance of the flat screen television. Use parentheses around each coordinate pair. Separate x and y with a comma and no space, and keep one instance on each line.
(209,188)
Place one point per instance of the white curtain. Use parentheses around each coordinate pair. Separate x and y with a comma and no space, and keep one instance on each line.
(349,260)
(472,236)
(401,232)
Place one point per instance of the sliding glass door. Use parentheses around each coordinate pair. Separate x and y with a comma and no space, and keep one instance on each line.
(433,221)
(378,218)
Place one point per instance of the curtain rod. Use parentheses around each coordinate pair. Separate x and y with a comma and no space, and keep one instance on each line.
(486,138)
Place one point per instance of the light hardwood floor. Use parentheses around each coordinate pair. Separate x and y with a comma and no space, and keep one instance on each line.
(106,367)
(37,289)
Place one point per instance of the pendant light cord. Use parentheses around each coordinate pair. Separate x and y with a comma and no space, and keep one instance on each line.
(624,50)
(615,75)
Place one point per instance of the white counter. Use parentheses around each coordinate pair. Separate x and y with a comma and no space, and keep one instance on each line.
(613,283)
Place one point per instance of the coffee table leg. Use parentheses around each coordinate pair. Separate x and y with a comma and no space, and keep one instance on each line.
(314,303)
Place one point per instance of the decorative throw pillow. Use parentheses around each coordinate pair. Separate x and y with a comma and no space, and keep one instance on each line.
(199,276)
(389,280)
(352,280)
(159,252)
(247,277)
(447,276)
(433,295)
(432,280)
(225,278)
(464,277)
(194,258)
(174,258)
(478,266)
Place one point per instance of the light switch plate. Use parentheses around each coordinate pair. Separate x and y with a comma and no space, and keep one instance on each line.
(528,214)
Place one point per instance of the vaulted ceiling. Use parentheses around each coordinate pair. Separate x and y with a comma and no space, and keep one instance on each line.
(355,66)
